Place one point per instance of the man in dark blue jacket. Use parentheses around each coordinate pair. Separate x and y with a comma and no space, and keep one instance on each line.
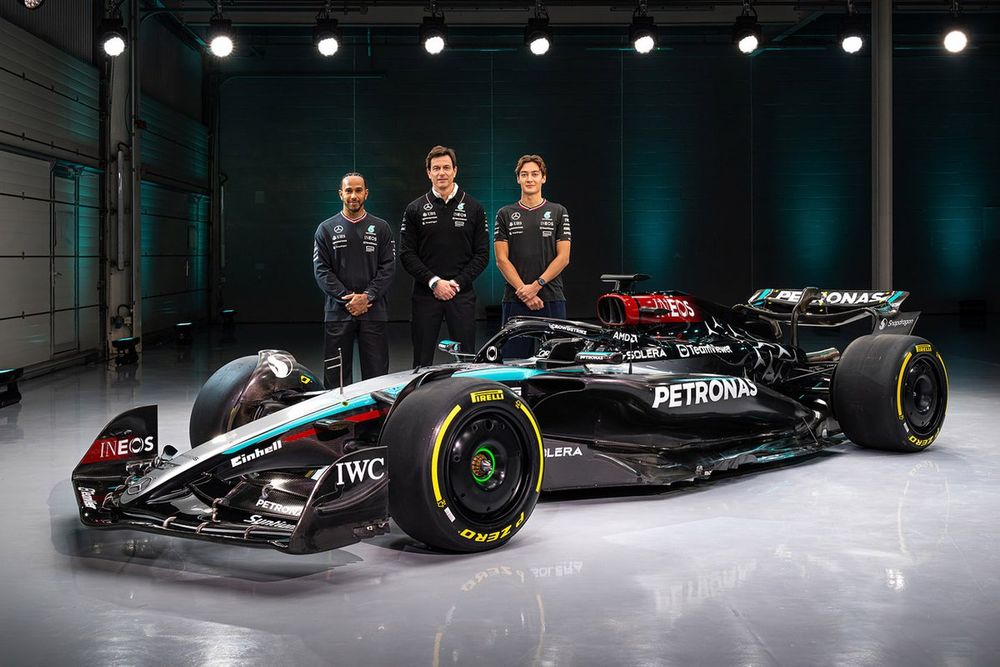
(354,257)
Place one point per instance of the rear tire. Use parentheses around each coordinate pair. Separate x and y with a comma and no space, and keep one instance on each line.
(465,463)
(891,393)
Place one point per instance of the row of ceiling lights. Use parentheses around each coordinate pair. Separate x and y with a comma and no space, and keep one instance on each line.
(327,35)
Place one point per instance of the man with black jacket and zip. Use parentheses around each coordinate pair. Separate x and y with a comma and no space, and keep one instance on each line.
(354,258)
(444,245)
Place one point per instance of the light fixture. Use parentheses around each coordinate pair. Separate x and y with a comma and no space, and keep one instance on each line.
(956,36)
(852,32)
(112,36)
(33,4)
(746,31)
(538,34)
(433,33)
(956,39)
(642,32)
(220,39)
(327,36)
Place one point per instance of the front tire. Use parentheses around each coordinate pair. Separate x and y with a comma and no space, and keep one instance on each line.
(245,390)
(891,393)
(213,407)
(465,462)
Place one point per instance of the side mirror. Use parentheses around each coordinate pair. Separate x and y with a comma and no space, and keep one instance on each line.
(450,346)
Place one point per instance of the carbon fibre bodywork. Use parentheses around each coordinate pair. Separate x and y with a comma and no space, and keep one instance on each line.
(695,388)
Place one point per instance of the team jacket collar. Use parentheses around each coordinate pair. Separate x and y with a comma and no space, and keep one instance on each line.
(532,208)
(353,221)
(434,195)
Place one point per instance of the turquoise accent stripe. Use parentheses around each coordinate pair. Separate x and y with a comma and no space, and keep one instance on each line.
(393,391)
(359,402)
(500,374)
(762,296)
(895,296)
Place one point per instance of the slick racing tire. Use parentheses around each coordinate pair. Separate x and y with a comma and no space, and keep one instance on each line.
(212,409)
(465,464)
(891,392)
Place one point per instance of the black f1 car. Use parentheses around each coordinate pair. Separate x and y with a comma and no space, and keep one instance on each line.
(668,387)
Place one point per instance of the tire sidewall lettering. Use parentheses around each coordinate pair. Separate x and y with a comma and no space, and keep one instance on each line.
(461,528)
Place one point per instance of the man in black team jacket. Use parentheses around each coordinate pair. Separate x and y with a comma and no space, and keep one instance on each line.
(354,257)
(531,241)
(444,245)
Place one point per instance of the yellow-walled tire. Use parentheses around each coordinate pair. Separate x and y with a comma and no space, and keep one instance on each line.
(891,392)
(465,464)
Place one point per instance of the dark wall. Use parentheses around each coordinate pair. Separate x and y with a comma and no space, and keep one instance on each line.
(946,217)
(811,170)
(713,172)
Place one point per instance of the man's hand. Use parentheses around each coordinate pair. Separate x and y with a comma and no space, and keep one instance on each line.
(357,304)
(445,289)
(528,292)
(535,303)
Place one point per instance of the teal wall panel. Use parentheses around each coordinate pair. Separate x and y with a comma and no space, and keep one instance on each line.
(713,172)
(174,257)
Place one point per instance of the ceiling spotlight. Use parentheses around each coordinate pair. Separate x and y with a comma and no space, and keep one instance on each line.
(327,36)
(33,4)
(642,32)
(956,36)
(433,34)
(220,39)
(746,31)
(956,39)
(112,36)
(852,32)
(538,35)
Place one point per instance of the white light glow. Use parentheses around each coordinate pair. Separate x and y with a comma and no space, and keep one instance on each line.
(644,44)
(539,46)
(748,44)
(852,44)
(955,41)
(114,46)
(434,45)
(328,46)
(222,46)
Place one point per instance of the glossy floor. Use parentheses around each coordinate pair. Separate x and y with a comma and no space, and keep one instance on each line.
(853,557)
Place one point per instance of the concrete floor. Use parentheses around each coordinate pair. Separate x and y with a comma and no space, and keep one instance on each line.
(853,557)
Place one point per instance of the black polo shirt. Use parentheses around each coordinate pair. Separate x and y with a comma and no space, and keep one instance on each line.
(531,235)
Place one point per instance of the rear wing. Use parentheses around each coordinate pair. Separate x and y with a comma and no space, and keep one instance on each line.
(825,301)
(815,307)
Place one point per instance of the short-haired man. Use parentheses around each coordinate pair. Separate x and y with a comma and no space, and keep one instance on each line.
(444,244)
(354,257)
(531,241)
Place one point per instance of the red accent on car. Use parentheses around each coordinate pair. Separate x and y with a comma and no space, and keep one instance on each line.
(622,310)
(298,436)
(365,416)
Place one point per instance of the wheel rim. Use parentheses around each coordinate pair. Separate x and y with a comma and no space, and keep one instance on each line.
(487,466)
(923,404)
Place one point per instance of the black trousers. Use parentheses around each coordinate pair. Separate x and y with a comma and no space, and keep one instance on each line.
(425,321)
(372,343)
(523,347)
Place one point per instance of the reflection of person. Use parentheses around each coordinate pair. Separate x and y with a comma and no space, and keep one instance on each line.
(531,241)
(444,244)
(354,259)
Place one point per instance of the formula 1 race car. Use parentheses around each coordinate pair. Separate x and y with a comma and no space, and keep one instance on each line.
(668,387)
